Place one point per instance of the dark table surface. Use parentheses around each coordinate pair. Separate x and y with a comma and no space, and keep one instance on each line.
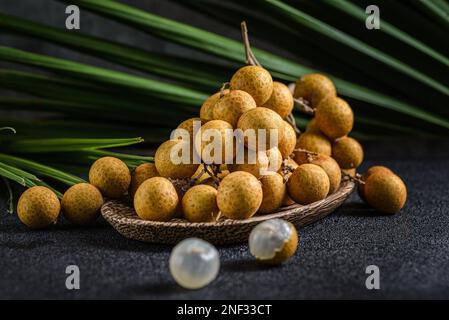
(411,250)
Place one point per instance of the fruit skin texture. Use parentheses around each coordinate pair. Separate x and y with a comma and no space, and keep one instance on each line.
(314,142)
(141,173)
(256,81)
(111,176)
(199,204)
(221,127)
(188,125)
(156,199)
(81,203)
(313,88)
(308,183)
(261,118)
(206,111)
(38,207)
(288,142)
(367,174)
(230,107)
(281,100)
(385,192)
(270,160)
(274,190)
(347,152)
(239,195)
(328,164)
(334,117)
(167,168)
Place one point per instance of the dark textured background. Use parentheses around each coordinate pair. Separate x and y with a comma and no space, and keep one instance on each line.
(410,248)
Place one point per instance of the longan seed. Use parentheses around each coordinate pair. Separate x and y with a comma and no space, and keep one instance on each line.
(274,190)
(281,100)
(141,173)
(313,88)
(206,111)
(334,117)
(314,142)
(199,204)
(288,142)
(308,183)
(385,192)
(347,152)
(231,106)
(256,81)
(111,176)
(167,167)
(370,171)
(81,203)
(38,207)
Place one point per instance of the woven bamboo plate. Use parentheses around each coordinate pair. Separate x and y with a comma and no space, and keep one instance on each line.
(124,219)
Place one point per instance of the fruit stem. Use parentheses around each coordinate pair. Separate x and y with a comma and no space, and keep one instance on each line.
(291,120)
(212,171)
(250,57)
(225,86)
(356,179)
(304,107)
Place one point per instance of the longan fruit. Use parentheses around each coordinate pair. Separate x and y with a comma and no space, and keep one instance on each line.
(141,173)
(218,129)
(256,81)
(206,111)
(281,100)
(188,126)
(288,142)
(38,207)
(334,117)
(308,183)
(385,192)
(274,191)
(313,88)
(231,106)
(81,203)
(156,199)
(270,160)
(239,195)
(199,204)
(370,171)
(312,127)
(165,165)
(314,142)
(111,176)
(347,152)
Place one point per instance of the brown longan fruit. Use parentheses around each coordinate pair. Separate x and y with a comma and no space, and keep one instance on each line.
(188,126)
(38,207)
(256,81)
(312,127)
(222,130)
(281,100)
(206,111)
(141,173)
(274,191)
(313,88)
(328,164)
(314,142)
(81,203)
(370,171)
(230,107)
(261,118)
(199,204)
(385,192)
(334,117)
(156,199)
(308,183)
(111,176)
(168,168)
(270,160)
(288,142)
(347,152)
(239,195)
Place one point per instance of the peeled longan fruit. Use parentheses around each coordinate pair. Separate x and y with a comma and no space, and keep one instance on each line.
(347,152)
(206,111)
(156,199)
(261,118)
(141,173)
(308,183)
(239,195)
(370,171)
(313,88)
(281,100)
(314,142)
(111,176)
(188,126)
(274,190)
(167,167)
(328,164)
(288,142)
(81,203)
(199,204)
(334,117)
(230,107)
(385,192)
(38,207)
(217,129)
(256,81)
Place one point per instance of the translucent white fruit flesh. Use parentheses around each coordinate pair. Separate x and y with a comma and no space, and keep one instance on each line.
(268,238)
(194,263)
